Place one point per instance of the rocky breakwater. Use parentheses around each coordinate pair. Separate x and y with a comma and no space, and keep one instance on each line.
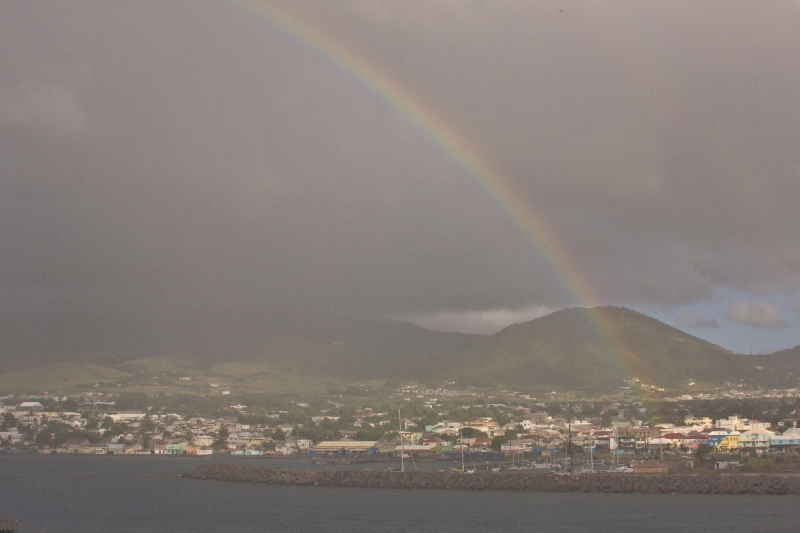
(505,481)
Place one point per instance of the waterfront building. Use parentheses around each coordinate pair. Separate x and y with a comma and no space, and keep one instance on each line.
(790,437)
(724,441)
(755,439)
(115,448)
(158,447)
(345,446)
(176,448)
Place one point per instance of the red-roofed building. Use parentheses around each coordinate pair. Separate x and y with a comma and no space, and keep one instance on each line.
(675,439)
(694,439)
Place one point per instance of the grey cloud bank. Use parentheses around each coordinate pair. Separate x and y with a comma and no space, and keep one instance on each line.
(756,314)
(162,159)
(690,320)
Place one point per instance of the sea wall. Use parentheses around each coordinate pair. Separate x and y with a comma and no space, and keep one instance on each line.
(506,481)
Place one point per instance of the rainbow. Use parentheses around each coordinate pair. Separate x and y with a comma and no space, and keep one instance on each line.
(436,129)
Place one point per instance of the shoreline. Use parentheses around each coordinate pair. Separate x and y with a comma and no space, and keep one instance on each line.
(506,481)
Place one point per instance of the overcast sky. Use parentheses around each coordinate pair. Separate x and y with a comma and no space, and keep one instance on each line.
(167,158)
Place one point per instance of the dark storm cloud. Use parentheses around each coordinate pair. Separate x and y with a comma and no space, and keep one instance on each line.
(166,158)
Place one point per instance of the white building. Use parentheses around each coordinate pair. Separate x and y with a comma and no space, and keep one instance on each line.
(732,423)
(693,421)
(329,446)
(126,417)
(11,436)
(301,444)
(31,407)
(203,440)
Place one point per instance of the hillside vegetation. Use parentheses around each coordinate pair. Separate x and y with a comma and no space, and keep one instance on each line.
(574,349)
(784,361)
(592,349)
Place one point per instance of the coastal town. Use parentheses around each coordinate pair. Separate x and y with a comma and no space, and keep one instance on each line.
(417,423)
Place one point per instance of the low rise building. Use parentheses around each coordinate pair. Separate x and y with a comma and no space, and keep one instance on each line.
(203,440)
(790,438)
(755,439)
(126,417)
(539,417)
(158,447)
(724,441)
(702,422)
(334,446)
(31,407)
(115,448)
(301,444)
(636,438)
(72,445)
(176,448)
(12,437)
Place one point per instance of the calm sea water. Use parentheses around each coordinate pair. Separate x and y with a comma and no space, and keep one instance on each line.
(50,494)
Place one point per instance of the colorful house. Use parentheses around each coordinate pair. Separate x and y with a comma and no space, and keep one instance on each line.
(724,441)
(176,448)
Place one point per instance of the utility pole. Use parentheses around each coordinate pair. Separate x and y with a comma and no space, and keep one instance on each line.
(614,453)
(569,430)
(402,446)
(461,439)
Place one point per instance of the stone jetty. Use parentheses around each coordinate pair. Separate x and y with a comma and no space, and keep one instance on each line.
(506,481)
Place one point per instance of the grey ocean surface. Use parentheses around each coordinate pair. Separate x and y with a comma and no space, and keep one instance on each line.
(49,494)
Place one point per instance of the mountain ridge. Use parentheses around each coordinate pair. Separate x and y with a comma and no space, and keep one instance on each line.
(597,349)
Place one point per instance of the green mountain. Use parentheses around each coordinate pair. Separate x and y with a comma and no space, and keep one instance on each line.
(358,349)
(573,349)
(595,349)
(240,345)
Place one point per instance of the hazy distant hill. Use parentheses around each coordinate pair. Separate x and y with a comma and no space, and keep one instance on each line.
(245,350)
(582,349)
(359,349)
(368,349)
(785,360)
(316,345)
